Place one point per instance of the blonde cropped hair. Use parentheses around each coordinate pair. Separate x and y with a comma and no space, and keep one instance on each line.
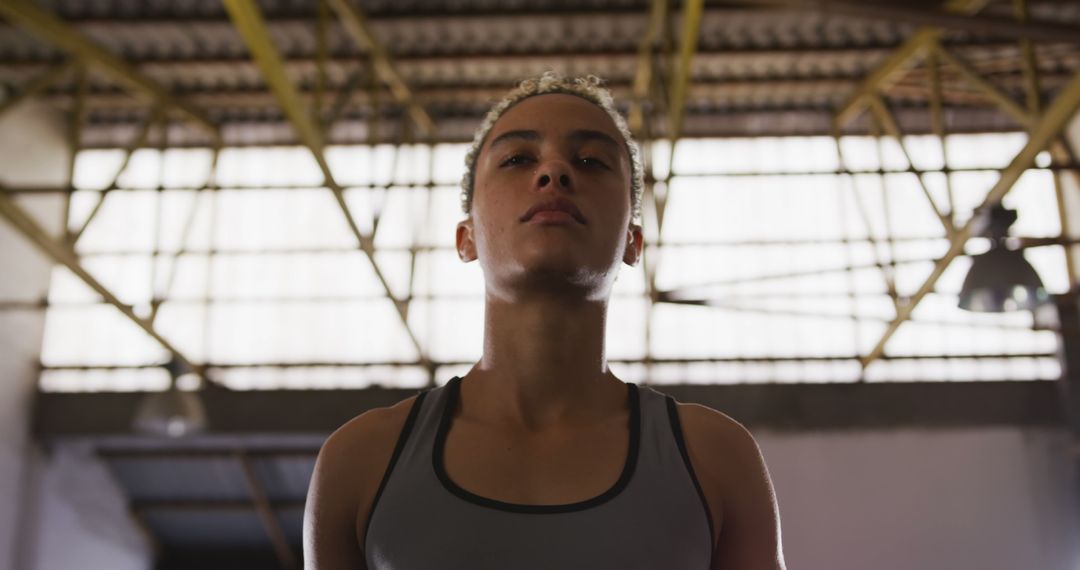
(588,88)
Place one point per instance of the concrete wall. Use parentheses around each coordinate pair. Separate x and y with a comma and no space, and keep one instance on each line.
(986,499)
(60,511)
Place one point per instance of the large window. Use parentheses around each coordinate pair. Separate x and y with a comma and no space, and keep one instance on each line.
(259,277)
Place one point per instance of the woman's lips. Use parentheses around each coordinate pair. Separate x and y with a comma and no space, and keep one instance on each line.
(552,217)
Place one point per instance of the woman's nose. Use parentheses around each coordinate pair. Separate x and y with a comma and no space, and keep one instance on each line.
(553,172)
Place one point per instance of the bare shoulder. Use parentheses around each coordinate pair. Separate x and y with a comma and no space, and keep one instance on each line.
(348,471)
(717,429)
(736,483)
(367,433)
(723,452)
(354,458)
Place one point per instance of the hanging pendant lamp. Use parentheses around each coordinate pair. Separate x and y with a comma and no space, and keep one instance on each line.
(1001,279)
(172,413)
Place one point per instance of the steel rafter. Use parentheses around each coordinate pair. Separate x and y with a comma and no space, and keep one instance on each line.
(38,84)
(155,116)
(249,23)
(267,513)
(64,255)
(947,18)
(643,73)
(896,65)
(60,34)
(999,97)
(891,126)
(1042,134)
(357,26)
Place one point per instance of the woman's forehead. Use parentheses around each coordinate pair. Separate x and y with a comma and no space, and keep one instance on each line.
(554,113)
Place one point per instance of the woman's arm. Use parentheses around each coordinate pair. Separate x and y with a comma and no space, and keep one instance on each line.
(737,485)
(350,467)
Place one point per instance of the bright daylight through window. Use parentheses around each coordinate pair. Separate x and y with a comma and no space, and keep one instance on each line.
(259,277)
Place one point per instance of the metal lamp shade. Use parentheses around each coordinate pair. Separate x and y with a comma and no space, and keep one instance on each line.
(1002,280)
(171,413)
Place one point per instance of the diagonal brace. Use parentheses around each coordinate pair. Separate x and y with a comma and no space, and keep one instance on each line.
(249,22)
(1043,133)
(63,254)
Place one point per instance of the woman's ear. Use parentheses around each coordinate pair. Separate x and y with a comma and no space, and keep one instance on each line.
(466,246)
(634,244)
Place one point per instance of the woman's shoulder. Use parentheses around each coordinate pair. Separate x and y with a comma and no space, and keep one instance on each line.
(369,433)
(346,477)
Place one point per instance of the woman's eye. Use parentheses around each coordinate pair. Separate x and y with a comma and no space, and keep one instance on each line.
(515,160)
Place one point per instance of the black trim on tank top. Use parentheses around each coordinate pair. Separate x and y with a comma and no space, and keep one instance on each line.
(676,428)
(398,448)
(454,387)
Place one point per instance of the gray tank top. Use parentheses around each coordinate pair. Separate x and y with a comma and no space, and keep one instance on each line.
(654,516)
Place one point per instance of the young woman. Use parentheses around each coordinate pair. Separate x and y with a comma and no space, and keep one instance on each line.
(539,456)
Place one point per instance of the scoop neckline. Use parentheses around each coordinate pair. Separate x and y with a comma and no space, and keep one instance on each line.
(453,388)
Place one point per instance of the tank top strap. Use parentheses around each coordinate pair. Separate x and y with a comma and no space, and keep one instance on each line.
(660,429)
(653,517)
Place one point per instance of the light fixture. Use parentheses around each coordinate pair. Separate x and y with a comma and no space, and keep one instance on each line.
(1001,279)
(172,413)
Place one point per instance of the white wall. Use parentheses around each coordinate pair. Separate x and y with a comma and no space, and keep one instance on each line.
(59,512)
(979,499)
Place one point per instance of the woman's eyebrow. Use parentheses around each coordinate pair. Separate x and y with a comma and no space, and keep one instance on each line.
(511,135)
(583,135)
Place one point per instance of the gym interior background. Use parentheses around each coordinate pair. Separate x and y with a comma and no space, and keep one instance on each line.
(227,228)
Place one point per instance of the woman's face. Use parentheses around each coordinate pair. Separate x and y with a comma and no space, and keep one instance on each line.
(551,148)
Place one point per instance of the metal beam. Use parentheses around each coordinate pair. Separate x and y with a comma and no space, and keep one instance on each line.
(267,514)
(948,19)
(76,121)
(999,97)
(105,416)
(680,81)
(643,73)
(892,69)
(387,15)
(890,125)
(56,32)
(138,142)
(249,23)
(937,125)
(64,255)
(1043,132)
(357,26)
(1031,70)
(38,84)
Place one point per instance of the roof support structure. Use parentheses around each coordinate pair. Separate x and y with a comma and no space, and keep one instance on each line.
(999,97)
(937,124)
(64,255)
(680,81)
(266,514)
(249,22)
(643,73)
(890,125)
(887,268)
(894,67)
(56,32)
(1032,90)
(948,18)
(38,84)
(1042,134)
(76,121)
(357,26)
(797,406)
(138,142)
